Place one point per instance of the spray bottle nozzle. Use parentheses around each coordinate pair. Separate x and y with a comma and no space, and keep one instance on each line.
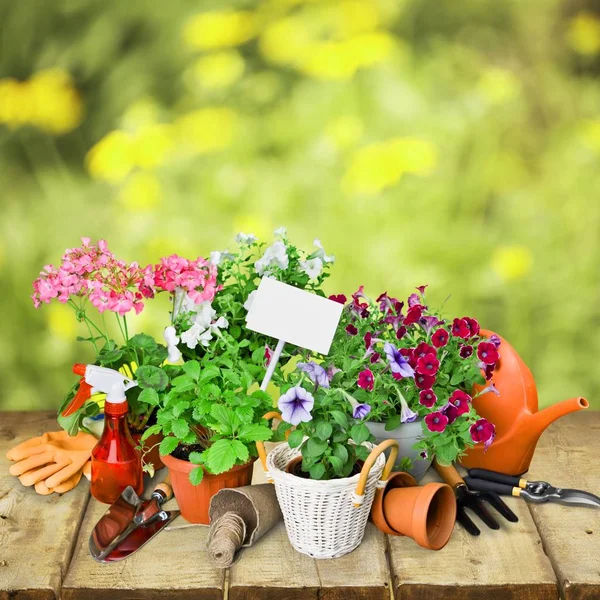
(79,369)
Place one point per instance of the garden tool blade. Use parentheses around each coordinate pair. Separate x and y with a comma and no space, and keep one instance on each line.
(577,497)
(466,522)
(140,536)
(475,504)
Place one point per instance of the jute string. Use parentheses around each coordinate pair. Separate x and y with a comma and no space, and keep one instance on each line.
(226,537)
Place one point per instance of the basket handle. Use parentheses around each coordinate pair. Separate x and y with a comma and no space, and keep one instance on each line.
(260,446)
(359,493)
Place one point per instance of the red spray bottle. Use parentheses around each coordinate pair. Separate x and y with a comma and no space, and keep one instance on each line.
(115,461)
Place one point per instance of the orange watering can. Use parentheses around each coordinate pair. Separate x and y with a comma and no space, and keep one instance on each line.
(515,414)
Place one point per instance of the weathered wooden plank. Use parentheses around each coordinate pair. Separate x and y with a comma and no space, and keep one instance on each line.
(273,570)
(36,532)
(505,564)
(173,565)
(567,456)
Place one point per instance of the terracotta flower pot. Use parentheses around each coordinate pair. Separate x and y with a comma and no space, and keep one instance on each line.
(152,457)
(425,513)
(194,500)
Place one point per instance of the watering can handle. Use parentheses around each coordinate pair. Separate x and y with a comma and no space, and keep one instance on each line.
(359,494)
(260,446)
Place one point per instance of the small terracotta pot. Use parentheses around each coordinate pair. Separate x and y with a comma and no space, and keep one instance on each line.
(425,513)
(152,457)
(194,500)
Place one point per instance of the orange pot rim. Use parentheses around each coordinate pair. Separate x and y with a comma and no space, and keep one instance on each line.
(185,466)
(421,509)
(399,479)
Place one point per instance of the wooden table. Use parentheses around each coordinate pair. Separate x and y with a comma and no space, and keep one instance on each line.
(554,551)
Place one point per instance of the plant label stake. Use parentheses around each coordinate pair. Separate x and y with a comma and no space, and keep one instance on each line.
(292,316)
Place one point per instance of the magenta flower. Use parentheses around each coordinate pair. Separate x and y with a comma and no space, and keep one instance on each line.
(413,300)
(428,365)
(423,349)
(351,329)
(460,328)
(268,354)
(316,373)
(401,332)
(339,298)
(440,338)
(465,351)
(488,353)
(473,326)
(424,455)
(424,382)
(451,413)
(427,398)
(366,380)
(459,394)
(421,289)
(295,405)
(483,431)
(460,401)
(429,322)
(375,358)
(413,315)
(397,361)
(436,421)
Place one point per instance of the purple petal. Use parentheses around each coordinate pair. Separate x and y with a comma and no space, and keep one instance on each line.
(361,411)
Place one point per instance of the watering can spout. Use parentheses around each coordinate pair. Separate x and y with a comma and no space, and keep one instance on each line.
(540,420)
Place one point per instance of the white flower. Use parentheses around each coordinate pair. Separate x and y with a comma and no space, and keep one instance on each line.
(312,267)
(249,300)
(275,255)
(183,303)
(220,323)
(205,337)
(172,340)
(245,238)
(205,313)
(321,252)
(280,232)
(192,335)
(217,257)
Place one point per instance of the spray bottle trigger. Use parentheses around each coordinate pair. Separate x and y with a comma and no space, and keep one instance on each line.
(84,393)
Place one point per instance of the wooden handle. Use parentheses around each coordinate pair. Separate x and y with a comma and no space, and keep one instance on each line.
(260,446)
(389,465)
(165,487)
(449,474)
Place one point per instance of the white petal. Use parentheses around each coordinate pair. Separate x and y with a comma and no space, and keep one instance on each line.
(249,300)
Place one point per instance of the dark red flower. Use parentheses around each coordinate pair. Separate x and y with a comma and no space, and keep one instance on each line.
(427,398)
(382,297)
(465,351)
(368,338)
(398,306)
(397,376)
(268,354)
(436,421)
(489,371)
(483,431)
(428,364)
(413,315)
(424,382)
(488,353)
(351,329)
(401,332)
(460,401)
(451,413)
(413,300)
(460,328)
(366,380)
(421,288)
(423,349)
(460,395)
(440,338)
(359,293)
(375,357)
(339,298)
(473,325)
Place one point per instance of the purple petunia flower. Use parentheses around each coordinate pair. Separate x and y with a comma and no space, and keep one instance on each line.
(406,414)
(316,373)
(295,405)
(495,339)
(398,362)
(359,411)
(428,323)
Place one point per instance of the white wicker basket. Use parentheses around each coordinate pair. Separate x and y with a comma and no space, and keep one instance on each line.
(327,519)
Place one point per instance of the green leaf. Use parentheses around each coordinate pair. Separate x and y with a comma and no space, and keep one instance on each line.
(168,445)
(209,373)
(392,423)
(340,418)
(196,475)
(192,368)
(244,413)
(196,458)
(183,383)
(360,433)
(179,408)
(457,377)
(317,471)
(295,438)
(232,377)
(337,464)
(144,342)
(149,396)
(180,428)
(151,431)
(111,356)
(445,454)
(315,447)
(324,430)
(151,377)
(340,451)
(224,417)
(241,451)
(254,432)
(220,457)
(339,436)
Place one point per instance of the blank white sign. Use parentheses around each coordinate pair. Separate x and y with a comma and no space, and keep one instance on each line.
(284,312)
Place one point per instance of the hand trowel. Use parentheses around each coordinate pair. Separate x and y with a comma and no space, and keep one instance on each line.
(130,523)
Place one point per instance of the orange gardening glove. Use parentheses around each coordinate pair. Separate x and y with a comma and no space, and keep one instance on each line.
(56,459)
(43,490)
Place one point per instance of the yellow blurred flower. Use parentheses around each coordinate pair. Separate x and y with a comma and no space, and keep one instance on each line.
(61,321)
(48,101)
(345,131)
(226,29)
(589,133)
(381,165)
(207,129)
(144,111)
(112,158)
(512,262)
(141,193)
(218,70)
(152,144)
(499,85)
(583,34)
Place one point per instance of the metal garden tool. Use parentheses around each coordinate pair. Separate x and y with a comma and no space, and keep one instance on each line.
(474,501)
(532,491)
(130,523)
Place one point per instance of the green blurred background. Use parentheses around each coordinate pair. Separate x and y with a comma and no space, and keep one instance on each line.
(441,142)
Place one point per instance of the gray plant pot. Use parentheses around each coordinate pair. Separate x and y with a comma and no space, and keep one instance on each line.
(407,435)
